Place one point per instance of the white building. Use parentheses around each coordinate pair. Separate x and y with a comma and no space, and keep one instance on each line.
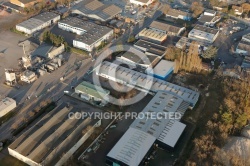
(144,82)
(38,22)
(54,138)
(6,105)
(178,14)
(28,76)
(204,34)
(209,20)
(96,10)
(137,142)
(209,12)
(142,2)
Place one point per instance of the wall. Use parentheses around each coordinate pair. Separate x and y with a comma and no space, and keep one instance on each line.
(56,51)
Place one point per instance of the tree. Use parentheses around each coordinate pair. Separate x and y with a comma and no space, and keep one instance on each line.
(210,52)
(172,53)
(196,8)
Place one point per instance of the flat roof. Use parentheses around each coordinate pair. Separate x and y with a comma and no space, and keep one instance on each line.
(5,103)
(206,18)
(26,1)
(165,27)
(143,132)
(38,20)
(78,23)
(210,11)
(152,34)
(172,132)
(247,36)
(93,34)
(243,45)
(132,147)
(93,8)
(205,29)
(142,59)
(146,82)
(184,41)
(151,47)
(52,136)
(163,68)
(91,89)
(176,13)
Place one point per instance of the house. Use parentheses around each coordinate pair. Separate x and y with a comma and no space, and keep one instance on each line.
(141,2)
(38,22)
(178,14)
(238,10)
(24,3)
(243,48)
(203,33)
(96,10)
(167,28)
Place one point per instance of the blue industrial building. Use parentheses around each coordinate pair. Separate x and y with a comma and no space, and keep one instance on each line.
(162,70)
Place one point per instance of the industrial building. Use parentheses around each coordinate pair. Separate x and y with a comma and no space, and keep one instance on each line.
(243,48)
(141,61)
(38,22)
(209,20)
(96,10)
(185,42)
(152,35)
(142,2)
(246,37)
(150,48)
(204,34)
(143,82)
(6,105)
(162,70)
(53,139)
(167,28)
(178,14)
(28,76)
(94,93)
(138,141)
(208,12)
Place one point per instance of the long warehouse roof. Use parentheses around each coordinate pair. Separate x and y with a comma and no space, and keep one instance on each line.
(115,72)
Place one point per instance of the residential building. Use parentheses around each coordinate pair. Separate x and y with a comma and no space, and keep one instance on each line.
(152,35)
(137,143)
(139,60)
(163,69)
(238,10)
(150,48)
(141,2)
(167,28)
(28,76)
(6,105)
(243,48)
(38,22)
(96,10)
(209,20)
(53,139)
(208,12)
(144,82)
(24,3)
(94,93)
(178,14)
(204,34)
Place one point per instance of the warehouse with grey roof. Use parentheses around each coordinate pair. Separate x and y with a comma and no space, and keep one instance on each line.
(38,22)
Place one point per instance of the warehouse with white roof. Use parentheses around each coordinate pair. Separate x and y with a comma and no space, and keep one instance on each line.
(163,69)
(143,82)
(203,33)
(6,105)
(137,142)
